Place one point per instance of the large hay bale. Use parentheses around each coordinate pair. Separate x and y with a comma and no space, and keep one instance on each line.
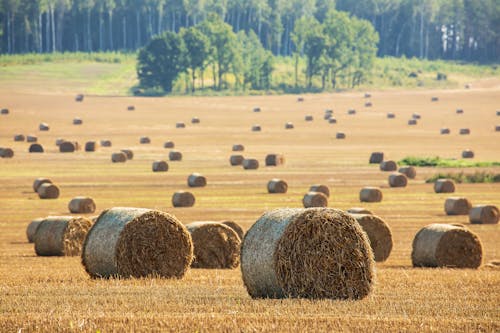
(351,112)
(39,181)
(19,137)
(90,146)
(4,111)
(195,120)
(445,130)
(308,118)
(236,227)
(378,233)
(391,115)
(160,166)
(175,155)
(307,253)
(169,144)
(275,159)
(445,245)
(180,125)
(256,128)
(68,147)
(497,128)
(315,199)
(137,242)
(238,147)
(31,229)
(79,98)
(332,120)
(370,194)
(144,140)
(77,121)
(409,171)
(236,160)
(289,125)
(31,138)
(320,188)
(359,210)
(276,185)
(498,112)
(444,186)
(36,148)
(457,206)
(388,165)
(340,135)
(484,214)
(215,245)
(61,235)
(250,164)
(119,157)
(128,152)
(81,205)
(464,131)
(43,127)
(6,153)
(376,157)
(183,199)
(398,179)
(412,122)
(467,153)
(48,191)
(196,180)
(106,143)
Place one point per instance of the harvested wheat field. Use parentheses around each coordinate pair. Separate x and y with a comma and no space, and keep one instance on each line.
(56,294)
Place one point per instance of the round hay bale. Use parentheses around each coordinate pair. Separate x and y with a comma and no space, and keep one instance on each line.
(236,227)
(445,245)
(332,120)
(328,111)
(120,157)
(256,128)
(6,153)
(498,113)
(236,160)
(434,99)
(412,122)
(459,111)
(300,99)
(59,141)
(464,131)
(77,121)
(169,144)
(376,157)
(5,111)
(275,159)
(368,104)
(79,98)
(216,245)
(90,146)
(43,127)
(160,166)
(48,191)
(315,199)
(340,135)
(351,111)
(307,253)
(180,125)
(388,165)
(416,116)
(467,153)
(129,153)
(196,180)
(19,137)
(61,235)
(31,229)
(137,242)
(183,199)
(368,95)
(320,188)
(457,206)
(444,186)
(370,194)
(391,115)
(250,164)
(68,147)
(130,108)
(359,210)
(327,116)
(289,125)
(398,180)
(81,205)
(106,143)
(31,138)
(445,130)
(144,140)
(409,171)
(497,128)
(308,118)
(175,155)
(238,147)
(36,148)
(276,185)
(378,233)
(195,120)
(39,181)
(484,214)
(256,109)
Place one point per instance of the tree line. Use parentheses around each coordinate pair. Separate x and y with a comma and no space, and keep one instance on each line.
(445,29)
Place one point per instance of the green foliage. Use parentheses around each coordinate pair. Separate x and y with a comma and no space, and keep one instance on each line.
(477,177)
(444,163)
(197,51)
(256,65)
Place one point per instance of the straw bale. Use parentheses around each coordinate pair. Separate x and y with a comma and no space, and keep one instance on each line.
(236,160)
(195,120)
(6,153)
(59,141)
(467,153)
(416,116)
(388,165)
(351,111)
(359,210)
(4,111)
(238,147)
(119,157)
(250,164)
(175,155)
(275,159)
(256,128)
(457,206)
(332,120)
(368,104)
(236,227)
(48,191)
(144,140)
(19,137)
(39,181)
(77,121)
(497,128)
(444,186)
(459,111)
(391,115)
(128,152)
(196,180)
(370,194)
(36,148)
(90,146)
(300,99)
(43,127)
(183,199)
(31,229)
(412,122)
(68,147)
(340,135)
(79,98)
(376,157)
(106,143)
(378,233)
(160,166)
(308,118)
(484,214)
(368,95)
(315,199)
(61,235)
(180,125)
(320,188)
(398,179)
(276,185)
(131,108)
(409,171)
(445,130)
(256,109)
(434,99)
(289,125)
(81,205)
(464,131)
(169,144)
(31,138)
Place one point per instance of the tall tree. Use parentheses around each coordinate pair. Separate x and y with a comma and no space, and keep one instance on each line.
(197,51)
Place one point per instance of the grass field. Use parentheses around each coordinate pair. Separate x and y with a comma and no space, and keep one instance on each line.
(55,293)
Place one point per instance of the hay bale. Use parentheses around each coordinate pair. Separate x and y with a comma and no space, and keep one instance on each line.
(497,128)
(43,127)
(370,194)
(90,146)
(256,128)
(409,171)
(250,164)
(416,116)
(131,108)
(4,111)
(307,253)
(467,153)
(183,199)
(6,153)
(289,125)
(236,227)
(119,157)
(459,111)
(160,166)
(332,120)
(376,157)
(68,147)
(275,159)
(398,180)
(464,131)
(327,116)
(320,188)
(388,165)
(106,143)
(180,125)
(175,155)
(77,121)
(236,160)
(39,181)
(169,144)
(81,205)
(315,199)
(412,122)
(79,98)
(144,140)
(59,141)
(351,112)
(300,99)
(434,99)
(195,120)
(196,180)
(308,118)
(340,135)
(276,185)
(359,210)
(445,245)
(444,186)
(137,242)
(484,214)
(378,233)
(216,245)
(329,111)
(457,206)
(368,104)
(31,138)
(238,147)
(129,153)
(61,235)
(48,191)
(31,229)
(445,130)
(391,115)
(498,113)
(368,95)
(256,109)
(19,137)
(36,148)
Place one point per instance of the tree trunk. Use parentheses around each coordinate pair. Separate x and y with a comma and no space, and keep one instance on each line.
(9,42)
(296,69)
(89,36)
(422,32)
(150,23)
(214,75)
(53,29)
(47,31)
(101,33)
(110,22)
(138,22)
(124,30)
(202,72)
(40,34)
(160,21)
(193,73)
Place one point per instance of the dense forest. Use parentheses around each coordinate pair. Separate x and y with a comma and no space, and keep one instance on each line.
(433,29)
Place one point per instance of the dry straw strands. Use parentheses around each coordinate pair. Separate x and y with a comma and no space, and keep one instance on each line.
(378,233)
(90,146)
(277,186)
(183,199)
(444,186)
(236,160)
(467,153)
(68,147)
(169,144)
(275,159)
(48,191)
(43,127)
(31,229)
(359,210)
(457,206)
(307,253)
(19,137)
(175,155)
(238,147)
(464,131)
(376,157)
(315,199)
(216,245)
(129,153)
(36,148)
(484,214)
(81,205)
(445,245)
(445,130)
(137,242)
(119,157)
(320,188)
(160,166)
(106,143)
(370,194)
(6,153)
(144,140)
(388,165)
(31,138)
(250,164)
(196,180)
(398,180)
(408,171)
(77,121)
(61,235)
(236,227)
(39,181)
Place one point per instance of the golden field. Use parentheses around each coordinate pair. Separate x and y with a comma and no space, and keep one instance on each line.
(55,293)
